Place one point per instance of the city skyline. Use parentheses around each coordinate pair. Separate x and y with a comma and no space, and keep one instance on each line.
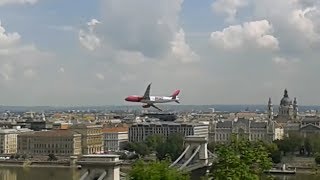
(59,53)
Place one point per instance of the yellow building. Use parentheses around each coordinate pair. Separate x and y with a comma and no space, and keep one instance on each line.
(92,137)
(57,142)
(8,141)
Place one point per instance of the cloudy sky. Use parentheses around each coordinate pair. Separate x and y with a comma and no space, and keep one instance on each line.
(58,52)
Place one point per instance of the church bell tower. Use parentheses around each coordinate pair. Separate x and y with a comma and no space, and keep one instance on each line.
(270,109)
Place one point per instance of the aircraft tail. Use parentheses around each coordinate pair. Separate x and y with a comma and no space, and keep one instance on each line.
(175,94)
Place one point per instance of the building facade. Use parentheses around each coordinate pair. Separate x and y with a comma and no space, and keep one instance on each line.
(115,138)
(278,132)
(288,110)
(223,130)
(8,141)
(57,142)
(92,137)
(309,126)
(140,131)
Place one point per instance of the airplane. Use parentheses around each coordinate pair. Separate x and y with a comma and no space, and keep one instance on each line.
(151,100)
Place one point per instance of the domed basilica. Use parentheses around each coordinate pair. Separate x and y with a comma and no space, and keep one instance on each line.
(288,110)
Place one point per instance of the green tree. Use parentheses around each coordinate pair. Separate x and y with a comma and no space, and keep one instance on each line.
(155,171)
(24,156)
(274,152)
(241,160)
(172,147)
(154,141)
(139,147)
(308,145)
(129,146)
(315,143)
(17,156)
(142,149)
(276,156)
(285,145)
(296,141)
(317,158)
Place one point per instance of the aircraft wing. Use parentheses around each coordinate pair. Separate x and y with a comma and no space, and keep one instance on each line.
(147,92)
(155,107)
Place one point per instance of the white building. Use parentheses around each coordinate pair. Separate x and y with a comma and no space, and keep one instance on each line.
(278,132)
(140,131)
(8,140)
(114,138)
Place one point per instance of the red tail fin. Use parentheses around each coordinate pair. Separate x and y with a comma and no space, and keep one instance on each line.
(175,94)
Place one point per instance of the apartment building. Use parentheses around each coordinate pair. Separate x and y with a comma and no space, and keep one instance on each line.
(115,138)
(140,131)
(92,137)
(8,140)
(57,142)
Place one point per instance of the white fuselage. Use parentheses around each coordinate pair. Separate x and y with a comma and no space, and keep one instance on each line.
(159,99)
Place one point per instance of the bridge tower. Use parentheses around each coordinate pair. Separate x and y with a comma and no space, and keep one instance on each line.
(101,167)
(195,154)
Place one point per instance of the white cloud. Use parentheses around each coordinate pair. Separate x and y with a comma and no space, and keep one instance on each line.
(128,77)
(61,70)
(17,59)
(29,73)
(92,24)
(132,38)
(7,39)
(285,65)
(181,50)
(304,24)
(228,7)
(66,28)
(296,21)
(130,58)
(255,34)
(6,2)
(143,41)
(6,71)
(283,62)
(280,61)
(89,39)
(143,26)
(100,76)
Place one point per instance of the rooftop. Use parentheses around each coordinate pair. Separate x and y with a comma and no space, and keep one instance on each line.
(168,123)
(115,129)
(52,133)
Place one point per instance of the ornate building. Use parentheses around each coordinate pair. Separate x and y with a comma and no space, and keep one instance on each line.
(222,130)
(288,110)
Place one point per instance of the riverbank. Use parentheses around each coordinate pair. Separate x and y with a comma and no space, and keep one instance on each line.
(29,163)
(49,164)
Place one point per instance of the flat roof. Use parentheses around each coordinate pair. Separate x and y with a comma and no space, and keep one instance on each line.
(101,155)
